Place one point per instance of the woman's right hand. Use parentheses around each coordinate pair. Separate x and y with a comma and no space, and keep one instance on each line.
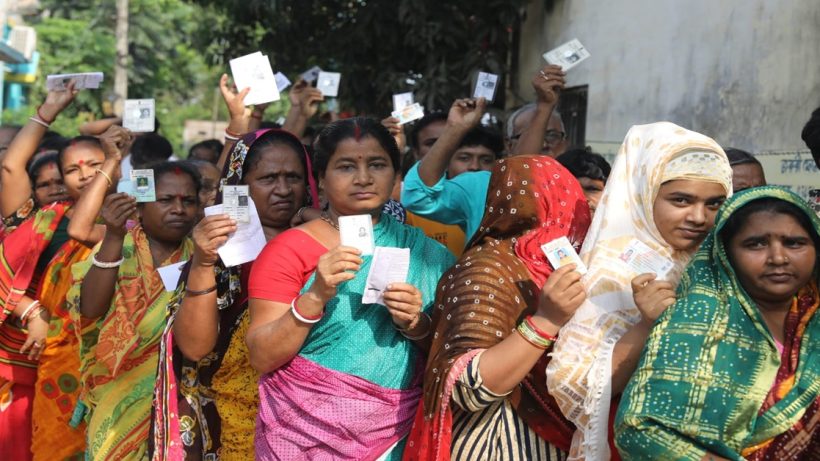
(115,212)
(396,130)
(305,99)
(334,268)
(651,296)
(210,234)
(562,294)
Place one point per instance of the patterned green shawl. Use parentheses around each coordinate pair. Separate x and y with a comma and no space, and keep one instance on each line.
(710,363)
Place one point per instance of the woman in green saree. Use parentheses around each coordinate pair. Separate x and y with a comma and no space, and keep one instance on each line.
(732,370)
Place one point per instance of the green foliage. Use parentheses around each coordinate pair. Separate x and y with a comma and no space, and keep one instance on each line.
(380,47)
(167,60)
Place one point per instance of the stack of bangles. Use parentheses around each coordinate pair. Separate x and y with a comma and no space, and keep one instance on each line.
(535,335)
(33,310)
(231,135)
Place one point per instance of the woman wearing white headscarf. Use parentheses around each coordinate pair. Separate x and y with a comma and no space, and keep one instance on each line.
(662,195)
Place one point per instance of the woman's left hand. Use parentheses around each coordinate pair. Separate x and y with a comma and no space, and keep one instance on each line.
(37,332)
(403,301)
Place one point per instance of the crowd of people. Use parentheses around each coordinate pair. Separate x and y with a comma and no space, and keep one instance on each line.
(705,346)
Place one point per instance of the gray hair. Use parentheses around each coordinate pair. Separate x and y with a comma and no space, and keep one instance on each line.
(510,127)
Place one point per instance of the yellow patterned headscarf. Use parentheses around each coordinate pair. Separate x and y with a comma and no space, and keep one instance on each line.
(580,373)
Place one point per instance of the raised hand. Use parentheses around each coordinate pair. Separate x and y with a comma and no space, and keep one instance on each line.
(305,98)
(651,296)
(466,113)
(235,101)
(548,83)
(392,125)
(115,142)
(210,234)
(56,102)
(115,212)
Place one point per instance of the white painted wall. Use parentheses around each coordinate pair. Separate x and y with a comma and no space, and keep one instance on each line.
(745,72)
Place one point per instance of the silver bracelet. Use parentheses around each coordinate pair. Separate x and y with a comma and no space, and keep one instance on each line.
(106,265)
(38,121)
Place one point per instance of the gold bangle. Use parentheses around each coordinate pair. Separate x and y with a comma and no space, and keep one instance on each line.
(105,175)
(532,336)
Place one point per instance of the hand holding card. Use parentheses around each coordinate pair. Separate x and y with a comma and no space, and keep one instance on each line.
(254,71)
(142,185)
(389,265)
(568,55)
(328,83)
(560,252)
(485,86)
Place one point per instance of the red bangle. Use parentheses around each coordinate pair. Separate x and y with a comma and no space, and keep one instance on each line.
(41,116)
(540,332)
(308,317)
(231,133)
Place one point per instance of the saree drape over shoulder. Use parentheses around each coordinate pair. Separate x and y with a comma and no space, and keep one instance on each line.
(119,351)
(580,373)
(479,302)
(711,378)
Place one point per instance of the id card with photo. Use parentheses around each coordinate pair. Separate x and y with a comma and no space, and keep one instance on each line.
(402,100)
(485,86)
(138,115)
(328,83)
(235,203)
(560,252)
(389,265)
(568,55)
(142,185)
(408,114)
(357,231)
(642,259)
(254,71)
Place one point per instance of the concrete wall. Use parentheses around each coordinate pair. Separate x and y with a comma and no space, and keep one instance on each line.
(746,72)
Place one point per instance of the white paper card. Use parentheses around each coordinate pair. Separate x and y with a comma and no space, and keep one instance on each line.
(357,231)
(328,83)
(58,82)
(311,74)
(402,100)
(389,265)
(170,275)
(282,81)
(235,203)
(246,243)
(142,185)
(568,55)
(485,86)
(642,259)
(253,71)
(409,113)
(138,115)
(560,253)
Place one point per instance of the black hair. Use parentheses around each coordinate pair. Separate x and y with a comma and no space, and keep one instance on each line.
(212,145)
(163,168)
(740,157)
(268,124)
(38,162)
(52,141)
(269,139)
(87,140)
(148,149)
(739,218)
(423,122)
(357,128)
(583,163)
(485,137)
